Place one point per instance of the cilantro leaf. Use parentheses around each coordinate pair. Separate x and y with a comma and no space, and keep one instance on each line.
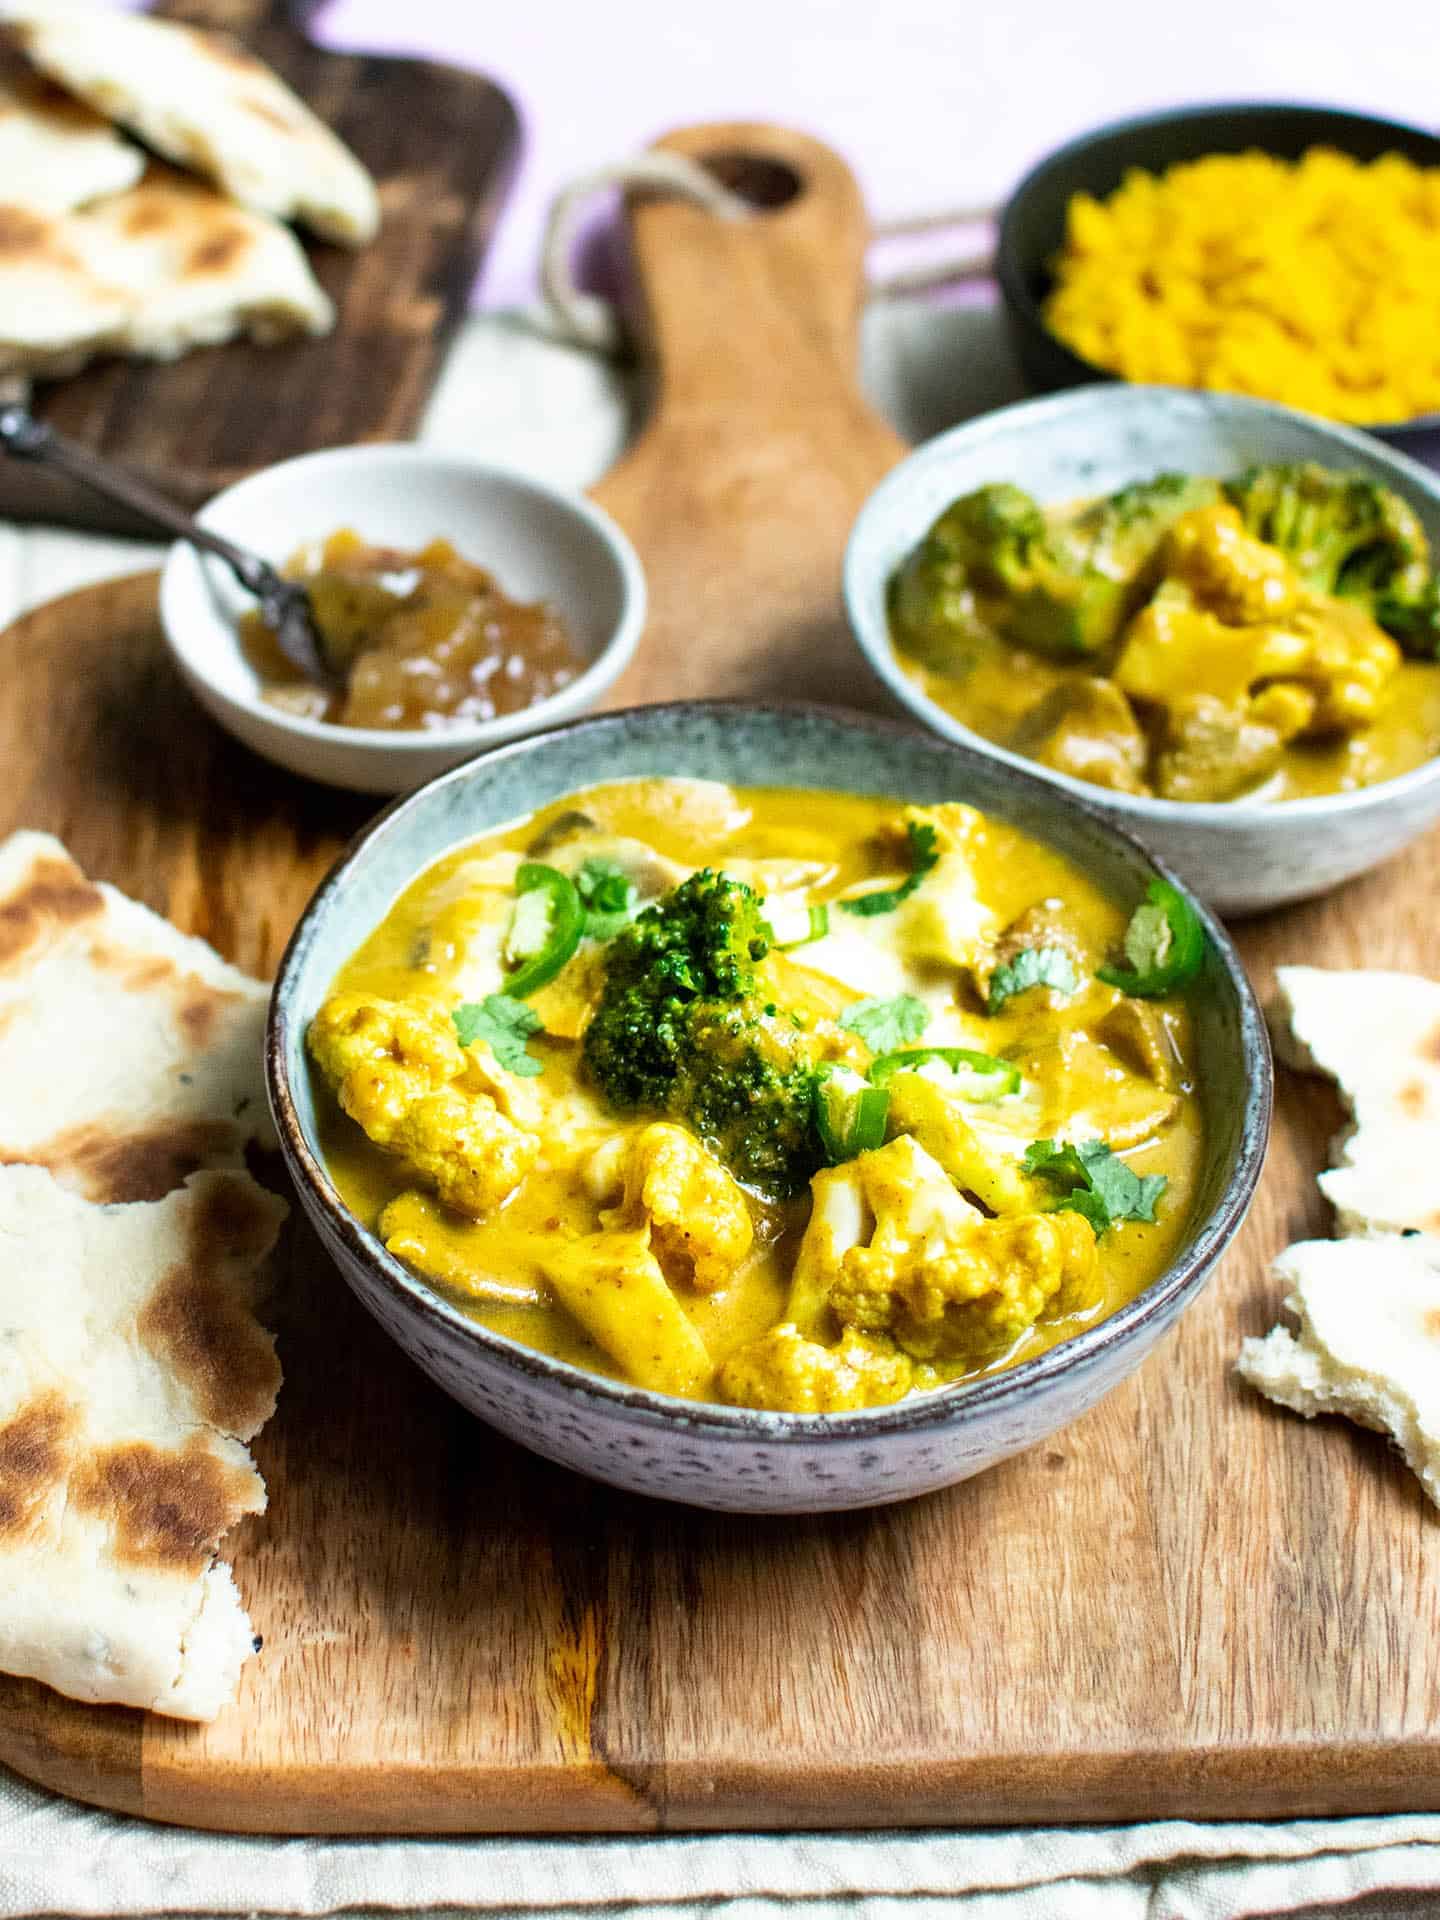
(609,896)
(1033,967)
(504,1025)
(885,1025)
(1097,1182)
(923,848)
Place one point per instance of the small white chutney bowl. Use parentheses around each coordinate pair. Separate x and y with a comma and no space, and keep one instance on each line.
(1241,857)
(541,543)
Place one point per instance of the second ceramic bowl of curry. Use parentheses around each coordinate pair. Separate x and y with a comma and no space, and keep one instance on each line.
(714,1455)
(1241,857)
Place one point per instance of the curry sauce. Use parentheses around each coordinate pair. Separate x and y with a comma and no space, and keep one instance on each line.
(1086,1064)
(1269,638)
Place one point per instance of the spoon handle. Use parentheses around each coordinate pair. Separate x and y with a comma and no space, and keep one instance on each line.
(27,438)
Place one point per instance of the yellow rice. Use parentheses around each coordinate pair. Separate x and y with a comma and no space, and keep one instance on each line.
(1315,282)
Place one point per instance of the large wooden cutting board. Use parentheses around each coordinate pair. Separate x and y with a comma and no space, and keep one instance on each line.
(441,144)
(1187,1603)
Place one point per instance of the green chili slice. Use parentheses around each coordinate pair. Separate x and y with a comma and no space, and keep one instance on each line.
(988,1078)
(850,1114)
(792,927)
(1164,944)
(543,936)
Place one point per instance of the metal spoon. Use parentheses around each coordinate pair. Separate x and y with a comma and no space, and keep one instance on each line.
(284,606)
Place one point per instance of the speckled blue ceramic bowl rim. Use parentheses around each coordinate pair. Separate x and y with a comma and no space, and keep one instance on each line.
(944,1407)
(873,635)
(1012,282)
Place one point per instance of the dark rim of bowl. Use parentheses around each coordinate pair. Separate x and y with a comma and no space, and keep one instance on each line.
(1174,1288)
(1144,810)
(1013,283)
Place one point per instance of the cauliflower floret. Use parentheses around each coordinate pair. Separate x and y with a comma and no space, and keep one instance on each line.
(700,1224)
(784,1372)
(892,1248)
(613,1285)
(1238,657)
(970,1298)
(898,1191)
(401,1074)
(945,922)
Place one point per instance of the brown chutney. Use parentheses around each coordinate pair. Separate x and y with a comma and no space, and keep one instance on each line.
(425,640)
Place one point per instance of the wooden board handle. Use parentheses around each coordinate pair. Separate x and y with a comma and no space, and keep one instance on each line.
(735,309)
(743,485)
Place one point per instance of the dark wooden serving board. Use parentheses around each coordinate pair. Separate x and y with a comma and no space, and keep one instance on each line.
(440,143)
(1188,1603)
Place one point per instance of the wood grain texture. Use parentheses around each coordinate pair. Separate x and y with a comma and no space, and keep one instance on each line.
(1189,1603)
(440,143)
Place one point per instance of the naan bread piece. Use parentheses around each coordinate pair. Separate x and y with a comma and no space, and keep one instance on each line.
(198,269)
(1377,1035)
(132,1371)
(130,1054)
(1366,1342)
(201,100)
(55,152)
(54,312)
(167,266)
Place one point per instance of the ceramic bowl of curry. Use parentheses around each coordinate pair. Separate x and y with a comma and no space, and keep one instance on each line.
(1327,804)
(463,604)
(765,1108)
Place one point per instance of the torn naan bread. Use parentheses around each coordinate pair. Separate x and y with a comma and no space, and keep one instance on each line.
(130,1054)
(152,272)
(55,152)
(1366,1342)
(202,101)
(1377,1035)
(167,266)
(132,1371)
(198,270)
(54,313)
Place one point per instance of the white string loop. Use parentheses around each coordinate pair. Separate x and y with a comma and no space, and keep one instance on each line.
(583,320)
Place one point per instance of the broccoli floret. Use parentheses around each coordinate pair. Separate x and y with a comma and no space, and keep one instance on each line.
(992,564)
(1121,535)
(1343,533)
(995,532)
(682,1030)
(1412,617)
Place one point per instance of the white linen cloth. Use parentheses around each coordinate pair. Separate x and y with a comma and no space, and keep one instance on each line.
(510,396)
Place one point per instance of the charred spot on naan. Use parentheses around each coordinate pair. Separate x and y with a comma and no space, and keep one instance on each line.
(54,895)
(106,1164)
(197,1005)
(146,217)
(199,1321)
(35,1453)
(1413,1099)
(166,1509)
(23,235)
(221,253)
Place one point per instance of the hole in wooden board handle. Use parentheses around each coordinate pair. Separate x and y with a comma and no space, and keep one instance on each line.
(736,310)
(758,178)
